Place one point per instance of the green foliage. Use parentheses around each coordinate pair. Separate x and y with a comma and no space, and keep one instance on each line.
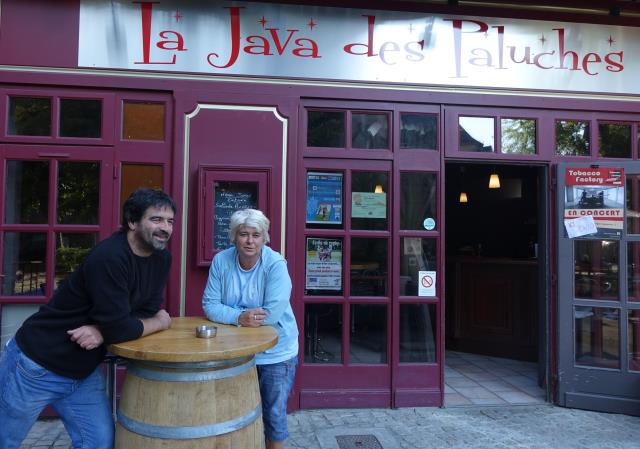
(615,140)
(519,136)
(68,258)
(572,138)
(78,192)
(30,116)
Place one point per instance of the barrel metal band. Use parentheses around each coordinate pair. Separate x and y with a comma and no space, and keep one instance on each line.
(196,365)
(189,376)
(188,432)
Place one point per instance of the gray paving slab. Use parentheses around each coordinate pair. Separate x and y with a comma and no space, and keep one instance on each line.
(471,427)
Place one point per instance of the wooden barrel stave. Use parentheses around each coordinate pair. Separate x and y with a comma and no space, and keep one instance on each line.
(190,405)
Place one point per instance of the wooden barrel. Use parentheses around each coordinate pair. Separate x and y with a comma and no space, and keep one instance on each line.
(214,404)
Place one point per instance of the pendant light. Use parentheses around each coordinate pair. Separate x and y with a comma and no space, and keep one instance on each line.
(494,180)
(463,193)
(378,189)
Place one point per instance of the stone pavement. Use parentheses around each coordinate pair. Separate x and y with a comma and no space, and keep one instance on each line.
(504,427)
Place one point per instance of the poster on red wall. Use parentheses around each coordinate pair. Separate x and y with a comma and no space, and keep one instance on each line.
(594,194)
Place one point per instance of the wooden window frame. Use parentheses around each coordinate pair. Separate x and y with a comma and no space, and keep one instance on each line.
(107,128)
(207,177)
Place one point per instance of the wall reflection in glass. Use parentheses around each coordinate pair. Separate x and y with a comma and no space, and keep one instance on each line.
(596,269)
(597,334)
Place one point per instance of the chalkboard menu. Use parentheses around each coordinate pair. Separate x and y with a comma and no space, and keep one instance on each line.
(228,199)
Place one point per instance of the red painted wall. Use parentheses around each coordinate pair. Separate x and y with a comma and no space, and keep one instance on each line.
(39,33)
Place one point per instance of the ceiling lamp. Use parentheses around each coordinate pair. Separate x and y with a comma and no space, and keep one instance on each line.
(494,181)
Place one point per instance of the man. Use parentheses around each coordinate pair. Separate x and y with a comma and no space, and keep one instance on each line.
(115,295)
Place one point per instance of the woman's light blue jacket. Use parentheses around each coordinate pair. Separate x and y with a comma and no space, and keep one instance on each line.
(274,285)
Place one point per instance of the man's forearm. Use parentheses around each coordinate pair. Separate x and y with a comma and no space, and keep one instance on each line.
(159,322)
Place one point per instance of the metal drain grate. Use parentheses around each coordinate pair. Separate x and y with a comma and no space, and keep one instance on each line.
(358,442)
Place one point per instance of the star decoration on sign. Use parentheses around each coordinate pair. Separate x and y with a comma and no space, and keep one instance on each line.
(311,23)
(263,21)
(542,39)
(177,15)
(611,41)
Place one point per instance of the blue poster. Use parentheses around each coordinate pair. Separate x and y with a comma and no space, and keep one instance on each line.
(324,198)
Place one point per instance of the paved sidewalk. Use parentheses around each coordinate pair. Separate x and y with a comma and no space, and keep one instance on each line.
(504,427)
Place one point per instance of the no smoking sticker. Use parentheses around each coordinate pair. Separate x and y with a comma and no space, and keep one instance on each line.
(426,283)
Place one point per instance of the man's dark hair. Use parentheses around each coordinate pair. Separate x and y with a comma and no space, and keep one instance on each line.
(141,200)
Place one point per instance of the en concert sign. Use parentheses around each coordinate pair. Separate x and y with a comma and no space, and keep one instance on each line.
(294,41)
(594,195)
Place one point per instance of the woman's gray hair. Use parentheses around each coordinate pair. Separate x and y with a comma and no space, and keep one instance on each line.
(252,218)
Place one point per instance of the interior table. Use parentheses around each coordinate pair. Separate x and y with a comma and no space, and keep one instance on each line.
(181,391)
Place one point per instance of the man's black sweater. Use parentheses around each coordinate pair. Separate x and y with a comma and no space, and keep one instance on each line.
(111,289)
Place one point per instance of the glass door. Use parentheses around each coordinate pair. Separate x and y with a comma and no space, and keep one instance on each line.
(370,281)
(599,286)
(55,203)
(347,283)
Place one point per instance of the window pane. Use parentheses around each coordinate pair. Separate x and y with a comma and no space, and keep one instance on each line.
(369,193)
(136,176)
(596,269)
(597,336)
(325,129)
(323,333)
(416,254)
(71,249)
(368,267)
(12,316)
(323,267)
(418,201)
(24,263)
(632,193)
(78,192)
(29,116)
(143,121)
(418,131)
(369,131)
(476,133)
(418,330)
(27,192)
(572,138)
(518,136)
(368,334)
(230,196)
(80,118)
(633,339)
(633,270)
(615,140)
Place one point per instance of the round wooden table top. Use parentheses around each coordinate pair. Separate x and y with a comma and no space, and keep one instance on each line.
(179,343)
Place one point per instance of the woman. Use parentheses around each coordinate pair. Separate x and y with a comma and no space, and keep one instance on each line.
(249,285)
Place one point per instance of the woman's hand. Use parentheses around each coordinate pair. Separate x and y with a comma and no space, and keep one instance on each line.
(252,317)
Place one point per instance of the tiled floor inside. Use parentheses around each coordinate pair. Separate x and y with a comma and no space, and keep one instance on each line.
(472,379)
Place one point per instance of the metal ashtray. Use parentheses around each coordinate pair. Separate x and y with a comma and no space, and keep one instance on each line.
(205,331)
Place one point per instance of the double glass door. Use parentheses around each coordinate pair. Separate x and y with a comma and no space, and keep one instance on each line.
(368,255)
(370,303)
(599,286)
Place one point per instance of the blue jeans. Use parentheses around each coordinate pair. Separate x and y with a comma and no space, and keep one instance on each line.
(26,388)
(276,382)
